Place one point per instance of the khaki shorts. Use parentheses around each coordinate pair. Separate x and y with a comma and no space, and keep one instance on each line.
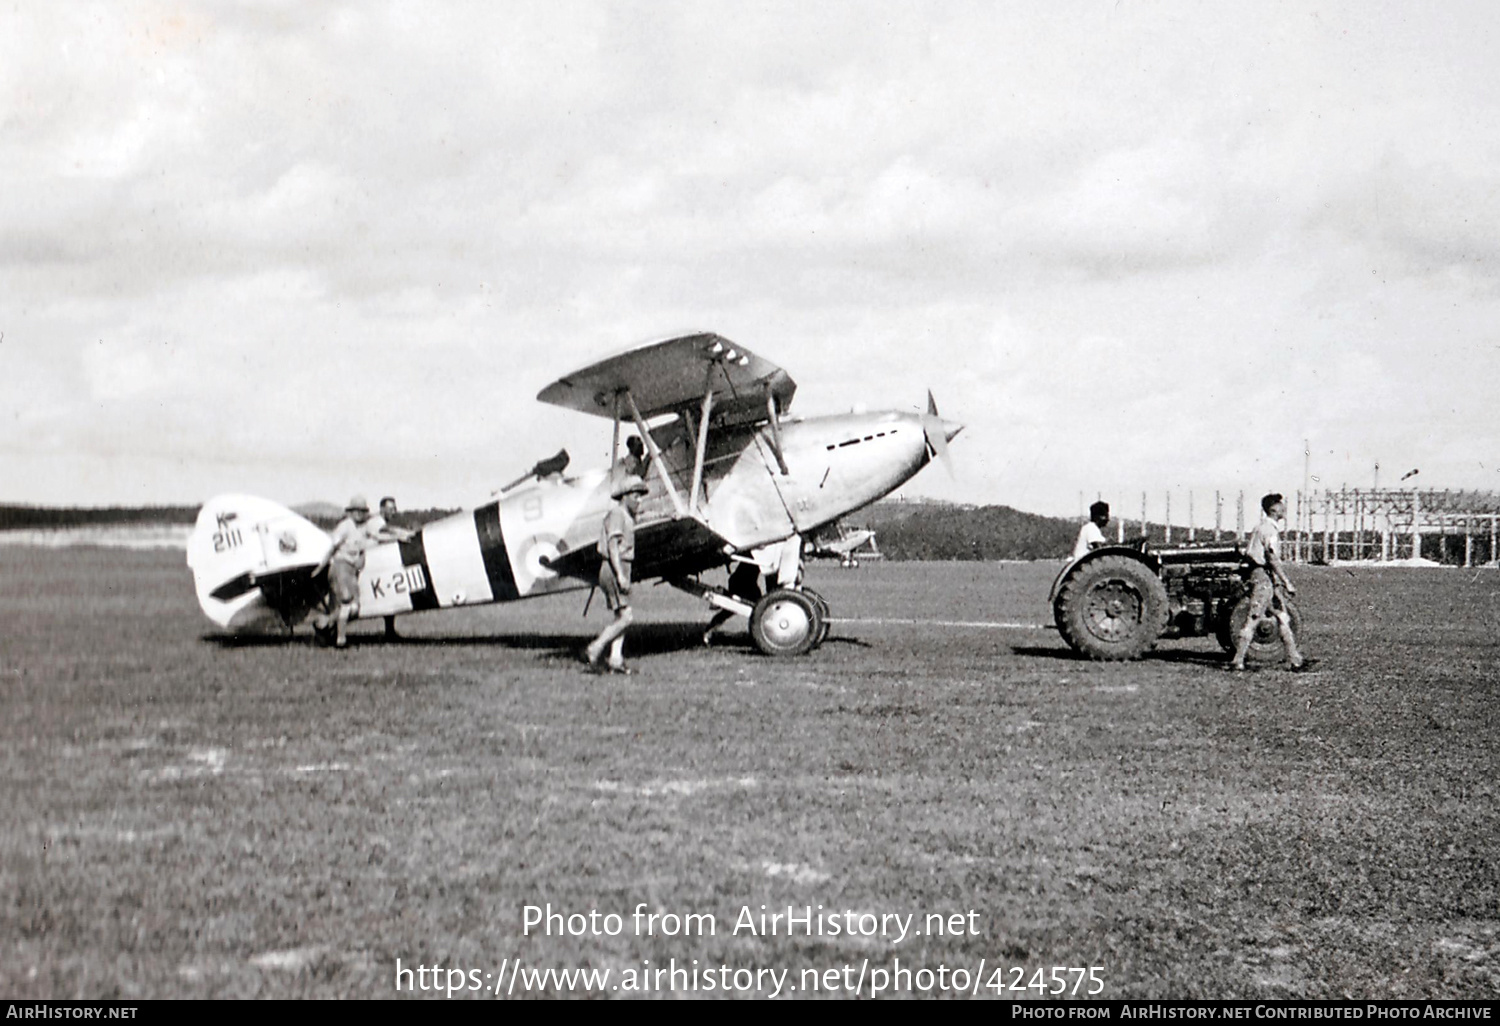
(343,582)
(1265,597)
(611,587)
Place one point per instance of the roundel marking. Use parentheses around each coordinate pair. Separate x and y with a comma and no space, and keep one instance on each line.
(539,547)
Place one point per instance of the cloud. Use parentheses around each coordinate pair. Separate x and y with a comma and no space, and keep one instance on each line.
(1129,246)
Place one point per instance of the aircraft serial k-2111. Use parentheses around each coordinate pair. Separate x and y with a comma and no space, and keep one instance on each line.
(732,478)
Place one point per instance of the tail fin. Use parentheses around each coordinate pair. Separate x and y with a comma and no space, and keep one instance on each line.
(240,546)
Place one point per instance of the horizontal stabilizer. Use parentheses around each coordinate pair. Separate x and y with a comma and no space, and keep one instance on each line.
(231,590)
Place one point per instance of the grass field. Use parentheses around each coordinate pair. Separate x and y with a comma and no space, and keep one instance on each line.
(186,816)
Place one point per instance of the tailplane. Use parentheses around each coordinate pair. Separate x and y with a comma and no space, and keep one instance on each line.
(253,561)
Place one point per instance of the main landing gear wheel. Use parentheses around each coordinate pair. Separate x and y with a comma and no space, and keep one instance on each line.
(823,612)
(786,623)
(1266,642)
(1111,608)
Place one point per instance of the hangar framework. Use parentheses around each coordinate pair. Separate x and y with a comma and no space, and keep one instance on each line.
(1365,524)
(1385,524)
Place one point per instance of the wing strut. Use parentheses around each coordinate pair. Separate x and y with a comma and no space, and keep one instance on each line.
(774,416)
(701,450)
(614,445)
(658,464)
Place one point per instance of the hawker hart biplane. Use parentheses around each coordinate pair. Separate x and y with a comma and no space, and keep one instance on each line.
(732,479)
(843,543)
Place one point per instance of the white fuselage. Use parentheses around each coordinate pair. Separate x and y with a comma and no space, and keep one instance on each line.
(501,550)
(497,552)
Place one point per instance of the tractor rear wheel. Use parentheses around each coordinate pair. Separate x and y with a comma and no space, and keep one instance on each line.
(1111,608)
(785,623)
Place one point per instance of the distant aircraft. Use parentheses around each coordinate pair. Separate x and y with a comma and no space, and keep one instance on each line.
(732,478)
(843,543)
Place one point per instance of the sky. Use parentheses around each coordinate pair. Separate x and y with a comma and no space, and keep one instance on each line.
(306,249)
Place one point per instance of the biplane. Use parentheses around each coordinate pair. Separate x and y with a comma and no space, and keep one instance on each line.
(733,478)
(844,543)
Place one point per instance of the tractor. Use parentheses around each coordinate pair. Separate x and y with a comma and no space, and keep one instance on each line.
(1116,602)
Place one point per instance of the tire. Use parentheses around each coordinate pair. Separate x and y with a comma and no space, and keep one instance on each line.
(785,623)
(1225,633)
(1266,644)
(1111,608)
(823,613)
(1052,596)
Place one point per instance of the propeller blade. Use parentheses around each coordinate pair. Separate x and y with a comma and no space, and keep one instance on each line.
(938,432)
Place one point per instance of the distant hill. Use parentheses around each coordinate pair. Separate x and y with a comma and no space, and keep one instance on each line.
(14,518)
(22,518)
(944,530)
(940,530)
(318,512)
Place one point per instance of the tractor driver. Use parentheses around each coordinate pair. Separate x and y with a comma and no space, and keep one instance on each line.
(1091,536)
(1268,582)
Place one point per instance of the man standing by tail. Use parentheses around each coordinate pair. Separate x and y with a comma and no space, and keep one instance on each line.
(382,526)
(344,562)
(1268,582)
(617,547)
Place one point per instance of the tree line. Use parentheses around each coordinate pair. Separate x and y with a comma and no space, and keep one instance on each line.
(905,530)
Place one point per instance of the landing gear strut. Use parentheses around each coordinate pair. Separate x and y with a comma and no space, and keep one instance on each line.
(788,621)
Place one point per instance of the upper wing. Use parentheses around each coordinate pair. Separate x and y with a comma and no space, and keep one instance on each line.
(663,376)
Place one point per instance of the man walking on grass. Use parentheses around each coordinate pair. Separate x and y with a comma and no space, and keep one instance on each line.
(1268,583)
(617,547)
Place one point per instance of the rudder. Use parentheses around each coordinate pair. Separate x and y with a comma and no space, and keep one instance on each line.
(246,554)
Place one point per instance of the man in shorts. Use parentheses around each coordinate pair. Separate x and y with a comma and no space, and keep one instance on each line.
(1268,582)
(617,548)
(351,538)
